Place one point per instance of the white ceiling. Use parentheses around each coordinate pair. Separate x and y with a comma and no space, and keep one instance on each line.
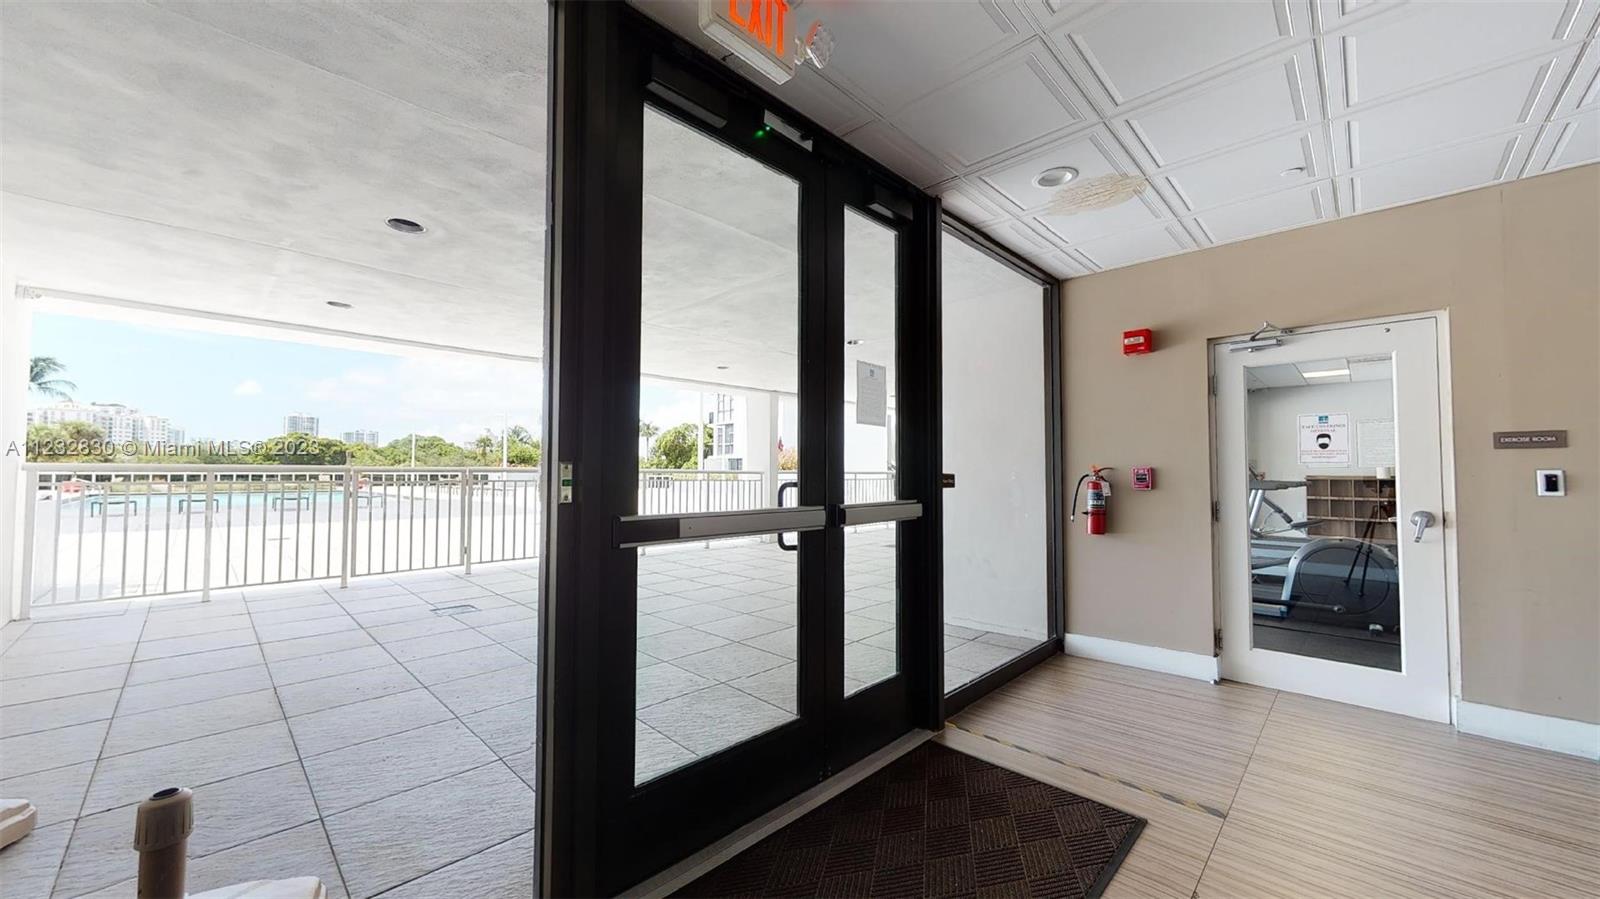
(1382,103)
(1327,371)
(241,158)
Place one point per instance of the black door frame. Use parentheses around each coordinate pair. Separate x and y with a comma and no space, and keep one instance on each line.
(598,832)
(600,54)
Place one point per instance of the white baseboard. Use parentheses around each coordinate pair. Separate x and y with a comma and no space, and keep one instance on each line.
(1153,658)
(1579,738)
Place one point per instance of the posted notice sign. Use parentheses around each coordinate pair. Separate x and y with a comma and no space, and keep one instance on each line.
(872,394)
(1324,438)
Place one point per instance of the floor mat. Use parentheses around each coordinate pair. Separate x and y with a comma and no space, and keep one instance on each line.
(936,822)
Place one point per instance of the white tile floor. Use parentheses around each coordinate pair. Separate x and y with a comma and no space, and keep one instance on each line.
(367,735)
(381,736)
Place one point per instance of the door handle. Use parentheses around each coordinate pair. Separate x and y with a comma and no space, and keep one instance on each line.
(1422,520)
(782,488)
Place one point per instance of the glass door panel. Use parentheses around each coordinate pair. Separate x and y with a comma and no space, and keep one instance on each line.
(719,354)
(871,556)
(996,517)
(1324,536)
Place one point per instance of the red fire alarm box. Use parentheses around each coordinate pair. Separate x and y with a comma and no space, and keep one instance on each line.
(1144,477)
(1137,342)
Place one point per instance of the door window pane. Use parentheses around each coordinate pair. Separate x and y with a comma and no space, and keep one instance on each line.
(1324,560)
(996,596)
(717,432)
(871,650)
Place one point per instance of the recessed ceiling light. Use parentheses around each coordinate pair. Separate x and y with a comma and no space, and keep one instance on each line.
(722,368)
(405,226)
(1330,373)
(1292,170)
(338,305)
(1055,177)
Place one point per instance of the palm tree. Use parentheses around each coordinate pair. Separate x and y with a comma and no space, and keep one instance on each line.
(647,433)
(41,372)
(486,444)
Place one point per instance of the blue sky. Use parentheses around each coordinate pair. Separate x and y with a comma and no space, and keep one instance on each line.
(227,387)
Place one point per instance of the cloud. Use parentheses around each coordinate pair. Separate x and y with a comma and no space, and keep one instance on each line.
(456,397)
(248,387)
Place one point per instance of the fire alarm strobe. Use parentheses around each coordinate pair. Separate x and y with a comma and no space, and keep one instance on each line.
(1137,342)
(1144,477)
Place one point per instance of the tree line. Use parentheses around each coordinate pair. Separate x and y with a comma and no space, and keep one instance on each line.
(78,441)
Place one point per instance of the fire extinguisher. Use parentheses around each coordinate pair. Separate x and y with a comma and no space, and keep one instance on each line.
(1094,499)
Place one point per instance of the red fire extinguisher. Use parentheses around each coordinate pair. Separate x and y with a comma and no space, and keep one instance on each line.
(1094,499)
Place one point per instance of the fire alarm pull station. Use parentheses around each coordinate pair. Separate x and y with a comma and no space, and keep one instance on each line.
(1138,342)
(1144,477)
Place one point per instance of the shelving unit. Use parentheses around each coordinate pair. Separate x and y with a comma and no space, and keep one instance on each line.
(1345,506)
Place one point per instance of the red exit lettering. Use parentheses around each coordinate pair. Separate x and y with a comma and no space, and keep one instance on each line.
(763,19)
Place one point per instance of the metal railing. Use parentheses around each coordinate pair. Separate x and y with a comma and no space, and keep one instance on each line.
(101,531)
(861,486)
(675,491)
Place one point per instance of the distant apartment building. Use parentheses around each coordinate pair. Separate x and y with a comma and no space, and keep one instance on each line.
(119,423)
(370,438)
(300,423)
(728,433)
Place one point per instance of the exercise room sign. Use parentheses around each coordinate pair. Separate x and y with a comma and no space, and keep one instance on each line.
(1324,438)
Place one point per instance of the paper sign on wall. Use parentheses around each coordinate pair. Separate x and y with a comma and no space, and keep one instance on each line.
(1375,438)
(1324,438)
(872,394)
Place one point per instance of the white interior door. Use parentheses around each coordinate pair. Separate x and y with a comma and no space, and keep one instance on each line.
(1328,457)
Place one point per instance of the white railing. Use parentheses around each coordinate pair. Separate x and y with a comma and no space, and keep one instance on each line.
(674,491)
(100,531)
(103,531)
(861,486)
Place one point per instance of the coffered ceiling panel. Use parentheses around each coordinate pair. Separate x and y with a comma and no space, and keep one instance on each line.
(1059,264)
(976,119)
(1567,143)
(1291,208)
(1424,42)
(1496,100)
(883,142)
(1133,50)
(1259,101)
(1245,116)
(1435,174)
(1582,89)
(888,58)
(1255,168)
(1135,246)
(969,202)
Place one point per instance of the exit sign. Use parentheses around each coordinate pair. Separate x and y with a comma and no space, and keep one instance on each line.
(756,31)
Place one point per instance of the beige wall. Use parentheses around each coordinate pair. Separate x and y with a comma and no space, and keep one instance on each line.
(1518,267)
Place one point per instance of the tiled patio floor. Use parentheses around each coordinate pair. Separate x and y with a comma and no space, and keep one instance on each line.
(381,736)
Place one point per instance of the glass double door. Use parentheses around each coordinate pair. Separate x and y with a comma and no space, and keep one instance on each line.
(759,619)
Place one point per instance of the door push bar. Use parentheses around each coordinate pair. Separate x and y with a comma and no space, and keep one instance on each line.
(643,530)
(875,513)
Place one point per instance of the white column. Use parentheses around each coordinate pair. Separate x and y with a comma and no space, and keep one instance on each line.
(16,326)
(761,424)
